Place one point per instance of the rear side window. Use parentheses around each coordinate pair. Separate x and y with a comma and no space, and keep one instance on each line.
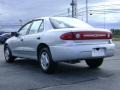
(37,26)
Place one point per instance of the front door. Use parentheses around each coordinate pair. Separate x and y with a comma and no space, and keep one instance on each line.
(18,41)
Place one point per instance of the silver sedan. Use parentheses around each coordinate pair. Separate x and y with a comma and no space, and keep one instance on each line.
(59,39)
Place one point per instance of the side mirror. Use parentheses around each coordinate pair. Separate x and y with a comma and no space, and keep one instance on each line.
(16,34)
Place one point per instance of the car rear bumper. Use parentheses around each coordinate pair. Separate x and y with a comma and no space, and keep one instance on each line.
(79,52)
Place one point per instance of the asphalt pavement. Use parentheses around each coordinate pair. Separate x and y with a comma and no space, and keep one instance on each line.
(25,74)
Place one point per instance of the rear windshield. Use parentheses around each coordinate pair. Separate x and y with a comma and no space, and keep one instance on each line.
(64,22)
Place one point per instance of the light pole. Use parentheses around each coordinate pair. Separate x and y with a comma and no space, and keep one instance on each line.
(74,8)
(20,20)
(68,10)
(104,16)
(87,11)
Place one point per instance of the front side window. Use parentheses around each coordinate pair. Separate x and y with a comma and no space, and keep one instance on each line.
(36,26)
(24,29)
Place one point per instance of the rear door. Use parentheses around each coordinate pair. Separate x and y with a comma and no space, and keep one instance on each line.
(32,39)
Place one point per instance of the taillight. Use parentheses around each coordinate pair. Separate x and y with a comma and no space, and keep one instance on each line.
(67,36)
(86,35)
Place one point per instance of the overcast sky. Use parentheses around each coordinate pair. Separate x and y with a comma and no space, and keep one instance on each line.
(11,11)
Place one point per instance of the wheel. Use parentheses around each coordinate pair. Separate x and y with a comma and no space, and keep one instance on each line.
(46,62)
(94,63)
(8,55)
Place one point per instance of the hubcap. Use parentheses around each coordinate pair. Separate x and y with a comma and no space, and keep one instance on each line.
(7,54)
(44,60)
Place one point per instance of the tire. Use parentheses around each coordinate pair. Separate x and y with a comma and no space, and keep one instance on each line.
(94,63)
(8,55)
(46,62)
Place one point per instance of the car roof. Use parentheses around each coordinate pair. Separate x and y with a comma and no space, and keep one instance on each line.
(51,17)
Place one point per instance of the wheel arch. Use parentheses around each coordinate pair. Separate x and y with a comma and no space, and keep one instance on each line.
(40,46)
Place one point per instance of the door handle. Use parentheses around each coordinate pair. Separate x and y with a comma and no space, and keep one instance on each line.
(38,38)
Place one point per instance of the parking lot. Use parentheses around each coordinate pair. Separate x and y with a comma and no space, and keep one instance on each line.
(25,74)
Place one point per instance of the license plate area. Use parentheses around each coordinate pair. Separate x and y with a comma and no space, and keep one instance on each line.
(96,52)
